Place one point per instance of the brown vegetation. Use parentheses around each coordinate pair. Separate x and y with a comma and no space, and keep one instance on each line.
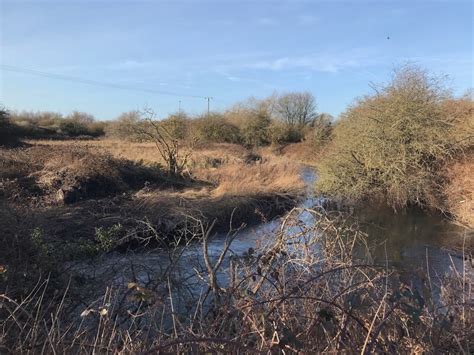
(53,125)
(221,180)
(392,147)
(312,291)
(268,176)
(460,190)
(303,152)
(167,183)
(146,153)
(278,119)
(39,175)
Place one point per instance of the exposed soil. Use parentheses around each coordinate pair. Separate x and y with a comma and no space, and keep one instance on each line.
(68,193)
(40,177)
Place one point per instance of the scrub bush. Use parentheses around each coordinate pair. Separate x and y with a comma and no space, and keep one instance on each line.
(392,145)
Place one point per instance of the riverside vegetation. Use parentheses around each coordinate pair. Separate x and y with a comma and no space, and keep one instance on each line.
(74,190)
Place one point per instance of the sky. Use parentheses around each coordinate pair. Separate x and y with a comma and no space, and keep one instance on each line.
(107,57)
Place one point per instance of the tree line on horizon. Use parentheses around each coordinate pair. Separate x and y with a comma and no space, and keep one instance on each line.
(278,119)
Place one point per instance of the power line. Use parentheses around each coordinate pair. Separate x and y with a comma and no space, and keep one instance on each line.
(12,68)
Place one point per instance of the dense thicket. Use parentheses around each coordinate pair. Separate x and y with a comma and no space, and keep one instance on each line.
(392,145)
(54,125)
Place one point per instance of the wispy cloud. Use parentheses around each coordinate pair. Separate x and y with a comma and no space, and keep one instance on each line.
(129,64)
(233,77)
(319,62)
(236,68)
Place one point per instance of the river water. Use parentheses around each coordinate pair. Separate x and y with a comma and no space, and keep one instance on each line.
(413,242)
(409,240)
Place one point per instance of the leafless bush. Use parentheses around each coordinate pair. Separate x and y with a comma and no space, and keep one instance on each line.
(393,145)
(166,140)
(309,289)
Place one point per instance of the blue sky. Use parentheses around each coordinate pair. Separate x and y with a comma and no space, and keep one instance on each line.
(229,50)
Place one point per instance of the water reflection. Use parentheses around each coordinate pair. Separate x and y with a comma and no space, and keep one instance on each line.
(413,242)
(411,239)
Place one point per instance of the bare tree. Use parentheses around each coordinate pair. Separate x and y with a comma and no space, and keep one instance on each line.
(296,109)
(168,144)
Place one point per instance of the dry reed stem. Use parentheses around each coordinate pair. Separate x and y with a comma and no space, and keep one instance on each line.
(310,289)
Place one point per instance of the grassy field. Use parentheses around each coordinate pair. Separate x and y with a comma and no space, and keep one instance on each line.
(124,181)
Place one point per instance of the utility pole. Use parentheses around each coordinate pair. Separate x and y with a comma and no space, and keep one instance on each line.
(208,104)
(179,106)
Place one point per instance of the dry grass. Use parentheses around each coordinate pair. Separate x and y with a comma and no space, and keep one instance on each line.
(247,192)
(202,156)
(101,187)
(43,175)
(304,152)
(303,292)
(460,190)
(147,152)
(226,166)
(16,163)
(252,179)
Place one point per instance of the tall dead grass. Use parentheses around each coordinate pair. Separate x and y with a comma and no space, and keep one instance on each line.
(203,155)
(232,169)
(239,193)
(460,190)
(69,173)
(303,152)
(253,179)
(146,152)
(70,188)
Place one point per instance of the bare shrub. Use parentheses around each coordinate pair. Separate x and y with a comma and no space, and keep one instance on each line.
(166,136)
(391,146)
(178,126)
(281,133)
(460,112)
(54,125)
(254,130)
(214,128)
(39,119)
(253,117)
(121,127)
(309,289)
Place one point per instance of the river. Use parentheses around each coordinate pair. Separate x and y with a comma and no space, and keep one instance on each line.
(414,242)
